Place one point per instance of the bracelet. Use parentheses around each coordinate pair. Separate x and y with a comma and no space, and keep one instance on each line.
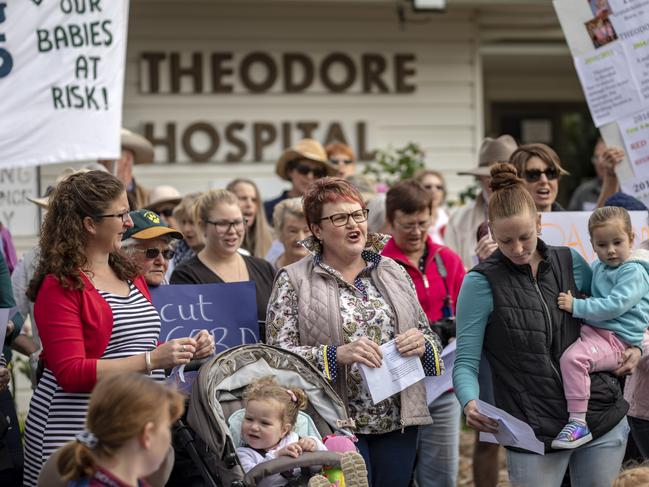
(147,361)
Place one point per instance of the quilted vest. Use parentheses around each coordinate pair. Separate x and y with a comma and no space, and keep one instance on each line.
(525,337)
(320,321)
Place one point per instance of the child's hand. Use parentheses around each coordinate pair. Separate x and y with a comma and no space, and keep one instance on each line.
(307,444)
(565,301)
(293,450)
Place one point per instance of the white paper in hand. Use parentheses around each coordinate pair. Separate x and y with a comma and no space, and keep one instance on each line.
(395,374)
(511,431)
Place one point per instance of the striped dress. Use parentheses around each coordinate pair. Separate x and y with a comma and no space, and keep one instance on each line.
(56,416)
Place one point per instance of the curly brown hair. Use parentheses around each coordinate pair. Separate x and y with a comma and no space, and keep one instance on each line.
(63,236)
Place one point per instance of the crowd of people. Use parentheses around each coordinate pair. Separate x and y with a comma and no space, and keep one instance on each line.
(339,269)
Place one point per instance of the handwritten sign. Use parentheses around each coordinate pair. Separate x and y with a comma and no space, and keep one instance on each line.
(16,212)
(570,229)
(228,311)
(62,76)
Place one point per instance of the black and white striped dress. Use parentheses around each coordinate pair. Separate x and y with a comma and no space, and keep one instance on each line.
(56,416)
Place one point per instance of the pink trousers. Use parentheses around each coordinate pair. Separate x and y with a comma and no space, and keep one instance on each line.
(595,350)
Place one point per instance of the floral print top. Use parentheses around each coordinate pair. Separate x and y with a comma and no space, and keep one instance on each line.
(364,313)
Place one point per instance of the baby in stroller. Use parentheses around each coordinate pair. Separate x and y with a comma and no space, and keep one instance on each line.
(267,427)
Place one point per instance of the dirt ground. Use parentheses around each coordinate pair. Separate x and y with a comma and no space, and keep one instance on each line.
(465,477)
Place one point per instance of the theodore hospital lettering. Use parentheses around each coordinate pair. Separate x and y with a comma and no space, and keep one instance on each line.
(262,73)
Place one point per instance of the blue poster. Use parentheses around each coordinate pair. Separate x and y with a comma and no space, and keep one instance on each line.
(227,310)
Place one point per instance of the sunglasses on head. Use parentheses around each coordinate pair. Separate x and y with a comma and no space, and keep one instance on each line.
(304,169)
(153,253)
(534,175)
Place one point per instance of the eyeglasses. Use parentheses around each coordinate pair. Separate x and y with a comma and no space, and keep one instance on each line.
(341,219)
(124,216)
(430,187)
(166,212)
(341,161)
(411,227)
(304,170)
(153,253)
(224,226)
(534,175)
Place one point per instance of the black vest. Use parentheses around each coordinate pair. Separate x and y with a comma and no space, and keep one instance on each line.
(525,337)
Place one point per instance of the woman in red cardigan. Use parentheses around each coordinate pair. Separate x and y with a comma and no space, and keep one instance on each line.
(93,312)
(437,273)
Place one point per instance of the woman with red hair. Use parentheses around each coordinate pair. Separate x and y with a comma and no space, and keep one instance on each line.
(336,308)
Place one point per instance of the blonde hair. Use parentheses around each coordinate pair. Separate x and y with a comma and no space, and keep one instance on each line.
(120,408)
(635,476)
(209,200)
(509,197)
(606,215)
(292,206)
(291,399)
(259,238)
(185,209)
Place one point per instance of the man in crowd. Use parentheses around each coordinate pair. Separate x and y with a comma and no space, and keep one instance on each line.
(301,164)
(587,193)
(148,241)
(135,150)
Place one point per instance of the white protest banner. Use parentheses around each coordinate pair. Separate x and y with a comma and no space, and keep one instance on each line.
(62,77)
(635,133)
(570,229)
(19,214)
(608,85)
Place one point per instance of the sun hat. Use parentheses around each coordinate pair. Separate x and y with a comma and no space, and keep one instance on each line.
(141,148)
(491,151)
(147,224)
(161,195)
(309,149)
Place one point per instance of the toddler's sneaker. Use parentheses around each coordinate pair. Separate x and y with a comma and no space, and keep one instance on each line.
(574,434)
(319,481)
(354,469)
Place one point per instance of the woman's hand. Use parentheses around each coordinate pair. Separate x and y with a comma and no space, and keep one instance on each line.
(178,351)
(630,359)
(4,378)
(486,246)
(363,351)
(478,421)
(204,344)
(307,444)
(293,450)
(411,342)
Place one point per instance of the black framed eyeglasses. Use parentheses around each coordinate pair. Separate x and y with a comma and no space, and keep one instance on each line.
(341,219)
(305,169)
(124,216)
(341,161)
(534,175)
(153,253)
(224,226)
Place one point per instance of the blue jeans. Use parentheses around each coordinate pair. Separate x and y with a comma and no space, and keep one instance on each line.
(595,464)
(438,455)
(390,458)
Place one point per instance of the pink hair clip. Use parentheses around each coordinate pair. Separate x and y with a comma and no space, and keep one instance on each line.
(292,395)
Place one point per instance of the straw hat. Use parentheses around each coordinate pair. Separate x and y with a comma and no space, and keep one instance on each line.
(161,195)
(491,151)
(138,145)
(309,149)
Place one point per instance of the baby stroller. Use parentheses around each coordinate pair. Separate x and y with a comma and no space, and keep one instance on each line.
(217,393)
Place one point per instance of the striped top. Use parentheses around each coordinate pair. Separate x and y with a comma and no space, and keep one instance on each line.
(56,416)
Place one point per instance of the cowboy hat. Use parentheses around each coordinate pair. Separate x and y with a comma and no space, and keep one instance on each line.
(309,149)
(161,195)
(141,148)
(43,201)
(492,151)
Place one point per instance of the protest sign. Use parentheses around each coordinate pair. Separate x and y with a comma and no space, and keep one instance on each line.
(570,229)
(17,213)
(227,310)
(62,77)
